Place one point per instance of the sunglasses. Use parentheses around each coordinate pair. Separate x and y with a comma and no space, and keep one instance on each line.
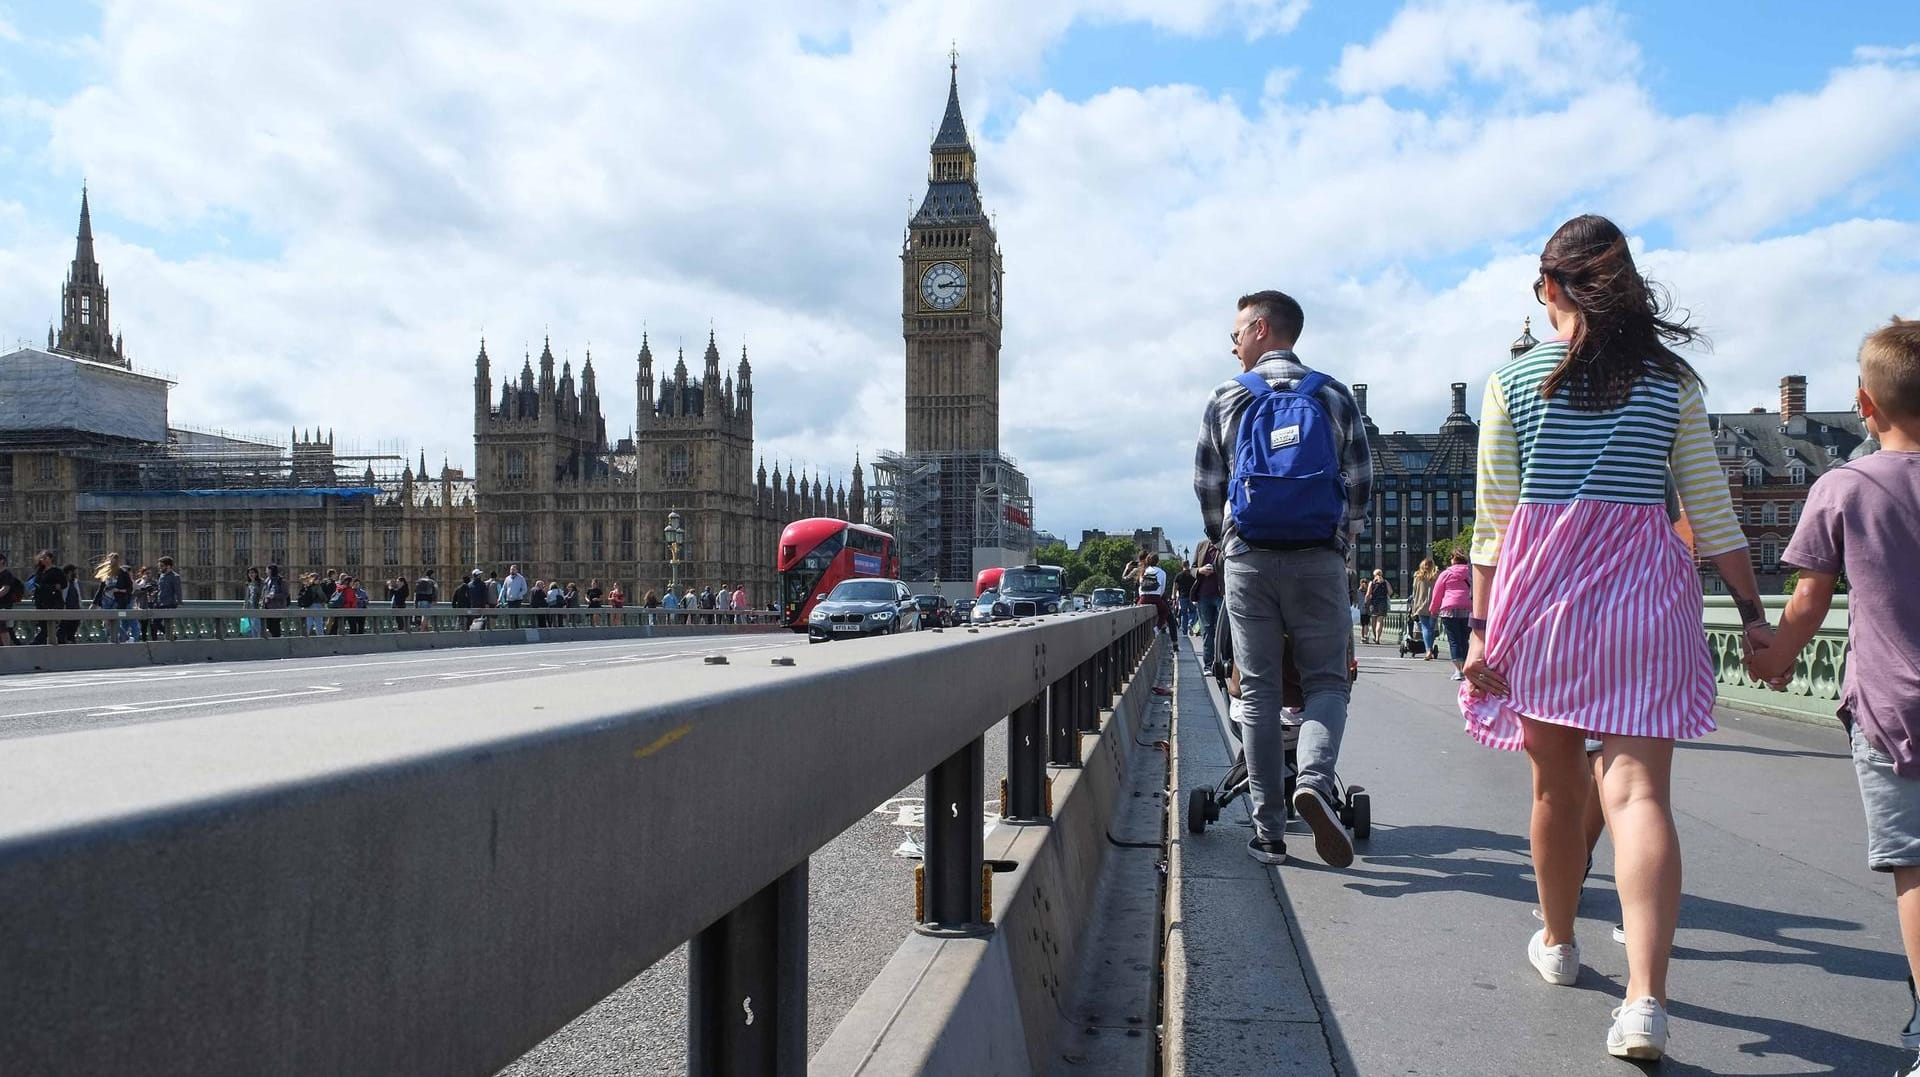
(1540,289)
(1235,335)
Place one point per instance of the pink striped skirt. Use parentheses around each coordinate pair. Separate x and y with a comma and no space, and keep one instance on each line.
(1595,621)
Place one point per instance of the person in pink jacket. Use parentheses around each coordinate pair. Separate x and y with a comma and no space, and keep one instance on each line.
(1453,604)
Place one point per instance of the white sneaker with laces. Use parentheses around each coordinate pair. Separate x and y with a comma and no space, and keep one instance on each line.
(1458,676)
(1558,965)
(1639,1030)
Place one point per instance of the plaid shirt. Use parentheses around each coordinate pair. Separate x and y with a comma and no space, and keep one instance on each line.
(1220,427)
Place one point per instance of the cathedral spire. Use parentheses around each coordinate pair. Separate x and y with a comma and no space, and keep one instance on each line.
(482,383)
(83,243)
(85,331)
(712,372)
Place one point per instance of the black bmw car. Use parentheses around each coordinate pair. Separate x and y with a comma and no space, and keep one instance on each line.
(857,608)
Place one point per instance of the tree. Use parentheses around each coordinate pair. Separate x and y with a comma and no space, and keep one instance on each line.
(1108,557)
(1095,582)
(1072,569)
(1443,550)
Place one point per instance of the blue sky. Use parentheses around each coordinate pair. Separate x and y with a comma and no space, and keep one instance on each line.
(285,200)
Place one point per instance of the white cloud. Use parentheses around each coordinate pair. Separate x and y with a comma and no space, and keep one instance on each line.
(1428,43)
(1880,54)
(423,175)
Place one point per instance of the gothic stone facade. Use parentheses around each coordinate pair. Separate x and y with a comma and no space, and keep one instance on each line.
(552,497)
(548,493)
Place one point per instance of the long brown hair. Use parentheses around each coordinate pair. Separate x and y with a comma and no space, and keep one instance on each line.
(1627,327)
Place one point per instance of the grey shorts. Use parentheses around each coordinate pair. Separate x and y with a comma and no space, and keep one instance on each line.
(1893,808)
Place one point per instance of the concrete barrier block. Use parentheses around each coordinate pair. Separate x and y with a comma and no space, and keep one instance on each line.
(990,1008)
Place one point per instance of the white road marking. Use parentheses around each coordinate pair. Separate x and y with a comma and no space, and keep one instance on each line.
(202,701)
(51,682)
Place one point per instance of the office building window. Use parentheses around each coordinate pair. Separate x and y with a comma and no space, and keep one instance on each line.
(626,540)
(1770,513)
(597,541)
(466,545)
(430,544)
(567,550)
(45,468)
(316,549)
(243,546)
(277,546)
(203,546)
(1769,553)
(1799,474)
(516,465)
(356,550)
(513,541)
(389,545)
(96,546)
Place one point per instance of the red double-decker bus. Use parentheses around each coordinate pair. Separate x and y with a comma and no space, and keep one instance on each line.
(818,553)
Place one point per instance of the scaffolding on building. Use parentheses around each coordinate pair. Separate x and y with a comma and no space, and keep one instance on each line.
(198,460)
(943,507)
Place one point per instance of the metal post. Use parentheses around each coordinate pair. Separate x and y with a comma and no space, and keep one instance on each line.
(1027,762)
(955,850)
(747,986)
(1063,740)
(1087,704)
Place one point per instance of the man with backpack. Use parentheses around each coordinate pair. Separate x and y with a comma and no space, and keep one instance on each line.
(1284,479)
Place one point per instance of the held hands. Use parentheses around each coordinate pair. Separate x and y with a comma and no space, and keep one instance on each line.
(1765,662)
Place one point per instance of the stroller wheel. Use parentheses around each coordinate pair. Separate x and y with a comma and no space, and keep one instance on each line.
(1200,810)
(1360,807)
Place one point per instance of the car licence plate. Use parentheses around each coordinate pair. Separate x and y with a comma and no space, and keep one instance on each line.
(846,628)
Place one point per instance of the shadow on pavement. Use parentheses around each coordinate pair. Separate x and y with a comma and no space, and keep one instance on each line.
(1748,749)
(1825,1052)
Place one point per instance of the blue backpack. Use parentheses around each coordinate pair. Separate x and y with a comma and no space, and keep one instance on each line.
(1286,490)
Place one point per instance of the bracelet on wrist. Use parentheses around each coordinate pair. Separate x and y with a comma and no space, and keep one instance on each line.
(1476,624)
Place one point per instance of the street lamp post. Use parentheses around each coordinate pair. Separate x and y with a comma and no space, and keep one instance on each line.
(675,534)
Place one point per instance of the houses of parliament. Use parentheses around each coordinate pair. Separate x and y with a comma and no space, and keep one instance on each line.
(90,463)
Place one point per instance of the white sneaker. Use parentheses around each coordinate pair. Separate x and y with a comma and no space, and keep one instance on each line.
(1639,1030)
(1558,965)
(1458,676)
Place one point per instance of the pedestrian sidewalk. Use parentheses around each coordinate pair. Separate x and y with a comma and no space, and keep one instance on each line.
(1413,960)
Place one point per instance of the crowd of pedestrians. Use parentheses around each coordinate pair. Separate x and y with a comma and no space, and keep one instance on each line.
(1582,439)
(316,601)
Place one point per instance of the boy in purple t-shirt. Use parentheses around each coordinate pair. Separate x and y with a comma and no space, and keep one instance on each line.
(1864,518)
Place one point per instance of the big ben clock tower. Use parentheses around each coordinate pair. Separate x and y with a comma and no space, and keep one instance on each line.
(950,302)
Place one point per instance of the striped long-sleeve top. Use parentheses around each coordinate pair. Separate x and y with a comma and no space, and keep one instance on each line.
(1535,449)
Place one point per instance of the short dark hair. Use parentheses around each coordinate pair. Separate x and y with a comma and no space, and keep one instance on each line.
(1283,315)
(166,562)
(1890,368)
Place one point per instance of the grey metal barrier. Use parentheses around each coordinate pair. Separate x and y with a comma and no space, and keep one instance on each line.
(434,884)
(27,625)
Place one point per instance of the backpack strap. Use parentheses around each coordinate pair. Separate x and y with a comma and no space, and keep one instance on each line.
(1254,383)
(1312,383)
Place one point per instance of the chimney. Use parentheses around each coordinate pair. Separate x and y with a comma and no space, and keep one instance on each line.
(1360,398)
(1459,398)
(1793,397)
(1793,405)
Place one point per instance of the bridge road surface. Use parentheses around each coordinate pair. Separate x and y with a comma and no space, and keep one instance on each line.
(1787,959)
(861,893)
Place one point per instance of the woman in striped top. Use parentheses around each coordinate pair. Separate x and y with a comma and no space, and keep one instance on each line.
(1586,607)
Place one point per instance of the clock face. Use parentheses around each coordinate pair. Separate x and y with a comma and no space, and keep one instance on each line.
(943,286)
(993,294)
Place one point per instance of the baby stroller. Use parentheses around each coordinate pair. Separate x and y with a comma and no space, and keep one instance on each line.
(1412,643)
(1351,802)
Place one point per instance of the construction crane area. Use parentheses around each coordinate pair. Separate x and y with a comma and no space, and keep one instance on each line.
(950,512)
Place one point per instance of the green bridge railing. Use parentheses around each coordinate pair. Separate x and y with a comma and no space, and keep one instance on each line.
(1815,690)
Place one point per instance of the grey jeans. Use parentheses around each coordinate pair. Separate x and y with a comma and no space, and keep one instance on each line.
(1275,597)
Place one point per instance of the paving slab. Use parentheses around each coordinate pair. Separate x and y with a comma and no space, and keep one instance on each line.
(1787,959)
